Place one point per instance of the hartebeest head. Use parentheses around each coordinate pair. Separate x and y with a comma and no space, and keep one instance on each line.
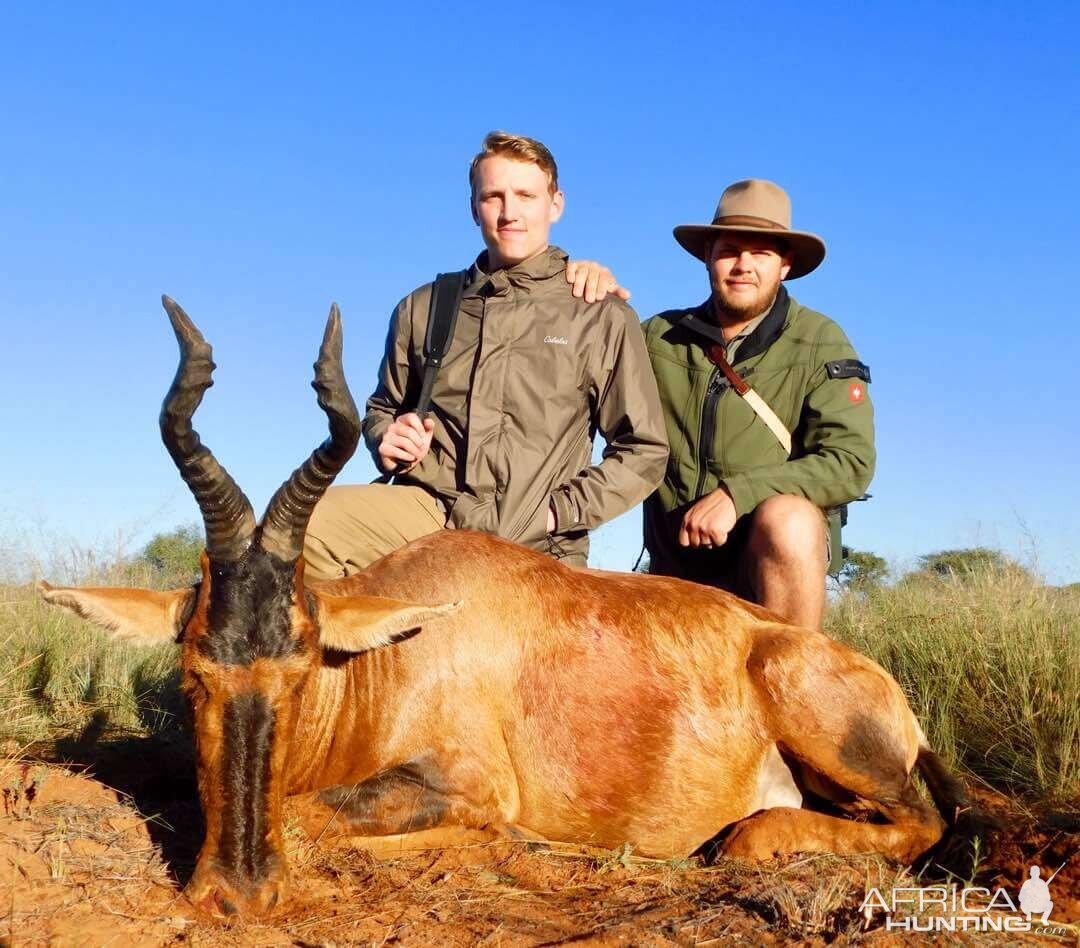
(251,634)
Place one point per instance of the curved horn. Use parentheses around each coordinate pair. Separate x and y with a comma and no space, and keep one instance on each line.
(227,513)
(287,515)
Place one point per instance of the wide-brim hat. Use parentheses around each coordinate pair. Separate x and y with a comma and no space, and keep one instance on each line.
(756,207)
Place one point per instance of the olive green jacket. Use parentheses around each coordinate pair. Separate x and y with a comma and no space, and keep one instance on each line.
(531,374)
(802,365)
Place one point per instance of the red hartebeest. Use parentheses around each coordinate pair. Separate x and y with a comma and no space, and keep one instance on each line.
(464,681)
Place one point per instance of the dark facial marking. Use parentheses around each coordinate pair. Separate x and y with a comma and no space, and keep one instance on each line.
(248,731)
(250,613)
(405,799)
(871,750)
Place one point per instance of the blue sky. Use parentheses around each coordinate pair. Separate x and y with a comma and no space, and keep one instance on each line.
(256,162)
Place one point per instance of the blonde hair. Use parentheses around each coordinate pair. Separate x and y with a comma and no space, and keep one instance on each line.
(519,148)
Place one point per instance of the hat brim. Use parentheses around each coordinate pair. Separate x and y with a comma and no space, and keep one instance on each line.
(807,250)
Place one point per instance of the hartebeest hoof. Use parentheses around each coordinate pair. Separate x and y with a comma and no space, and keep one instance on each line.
(752,840)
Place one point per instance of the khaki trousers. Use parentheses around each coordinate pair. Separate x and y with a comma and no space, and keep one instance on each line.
(356,524)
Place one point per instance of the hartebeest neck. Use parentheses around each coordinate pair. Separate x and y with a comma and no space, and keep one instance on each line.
(340,708)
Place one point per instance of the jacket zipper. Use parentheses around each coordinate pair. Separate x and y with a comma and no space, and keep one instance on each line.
(717,387)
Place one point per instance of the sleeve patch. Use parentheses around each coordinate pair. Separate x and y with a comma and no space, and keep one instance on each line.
(848,369)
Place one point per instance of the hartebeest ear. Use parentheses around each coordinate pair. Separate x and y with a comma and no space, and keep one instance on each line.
(360,623)
(142,616)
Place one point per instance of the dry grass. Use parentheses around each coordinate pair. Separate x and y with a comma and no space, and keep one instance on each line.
(82,866)
(65,839)
(93,860)
(531,894)
(60,676)
(989,663)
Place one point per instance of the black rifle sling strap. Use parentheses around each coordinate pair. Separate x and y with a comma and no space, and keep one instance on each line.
(442,316)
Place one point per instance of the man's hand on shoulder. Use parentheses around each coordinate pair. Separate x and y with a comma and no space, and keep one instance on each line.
(593,281)
(406,443)
(709,521)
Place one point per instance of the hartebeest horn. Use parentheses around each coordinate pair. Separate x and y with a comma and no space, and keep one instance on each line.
(227,513)
(287,515)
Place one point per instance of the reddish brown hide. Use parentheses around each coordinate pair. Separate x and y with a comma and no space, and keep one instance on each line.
(551,703)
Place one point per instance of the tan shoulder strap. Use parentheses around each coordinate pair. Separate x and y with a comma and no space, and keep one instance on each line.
(767,415)
(715,353)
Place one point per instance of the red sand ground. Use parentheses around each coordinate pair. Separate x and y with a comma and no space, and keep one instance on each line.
(82,864)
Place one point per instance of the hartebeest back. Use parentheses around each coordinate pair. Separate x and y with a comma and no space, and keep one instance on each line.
(464,681)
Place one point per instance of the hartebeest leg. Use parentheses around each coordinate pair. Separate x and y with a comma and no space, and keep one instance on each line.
(848,726)
(405,807)
(913,828)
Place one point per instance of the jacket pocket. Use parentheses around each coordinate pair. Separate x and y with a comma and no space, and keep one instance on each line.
(534,531)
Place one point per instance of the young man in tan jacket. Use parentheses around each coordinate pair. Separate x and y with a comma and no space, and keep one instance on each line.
(532,372)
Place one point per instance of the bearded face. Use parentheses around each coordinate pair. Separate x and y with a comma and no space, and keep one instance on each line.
(745,272)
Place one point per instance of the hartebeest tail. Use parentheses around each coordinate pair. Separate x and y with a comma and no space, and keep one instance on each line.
(969,827)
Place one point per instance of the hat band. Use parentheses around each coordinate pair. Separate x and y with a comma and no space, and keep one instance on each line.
(744,220)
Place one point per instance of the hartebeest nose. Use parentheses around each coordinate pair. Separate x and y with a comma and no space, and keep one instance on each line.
(222,899)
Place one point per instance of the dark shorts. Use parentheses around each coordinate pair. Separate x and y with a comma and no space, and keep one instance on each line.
(725,567)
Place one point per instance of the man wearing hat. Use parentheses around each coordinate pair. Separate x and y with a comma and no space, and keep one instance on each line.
(767,410)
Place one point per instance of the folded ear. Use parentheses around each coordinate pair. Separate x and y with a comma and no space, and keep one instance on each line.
(360,623)
(142,616)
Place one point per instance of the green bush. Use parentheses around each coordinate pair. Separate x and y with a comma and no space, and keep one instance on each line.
(174,554)
(967,563)
(863,571)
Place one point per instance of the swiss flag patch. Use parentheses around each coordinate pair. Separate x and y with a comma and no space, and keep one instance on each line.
(856,392)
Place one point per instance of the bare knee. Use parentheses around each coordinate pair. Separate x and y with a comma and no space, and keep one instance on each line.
(788,528)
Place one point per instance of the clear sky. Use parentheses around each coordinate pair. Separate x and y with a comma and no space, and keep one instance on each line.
(258,161)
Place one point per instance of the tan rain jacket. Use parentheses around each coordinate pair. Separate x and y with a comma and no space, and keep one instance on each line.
(530,376)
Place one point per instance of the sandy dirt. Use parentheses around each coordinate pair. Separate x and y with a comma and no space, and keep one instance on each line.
(101,860)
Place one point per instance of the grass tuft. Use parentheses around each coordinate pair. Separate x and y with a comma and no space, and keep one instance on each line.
(62,676)
(988,661)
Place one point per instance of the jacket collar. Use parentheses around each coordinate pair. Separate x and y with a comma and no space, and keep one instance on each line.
(543,266)
(767,331)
